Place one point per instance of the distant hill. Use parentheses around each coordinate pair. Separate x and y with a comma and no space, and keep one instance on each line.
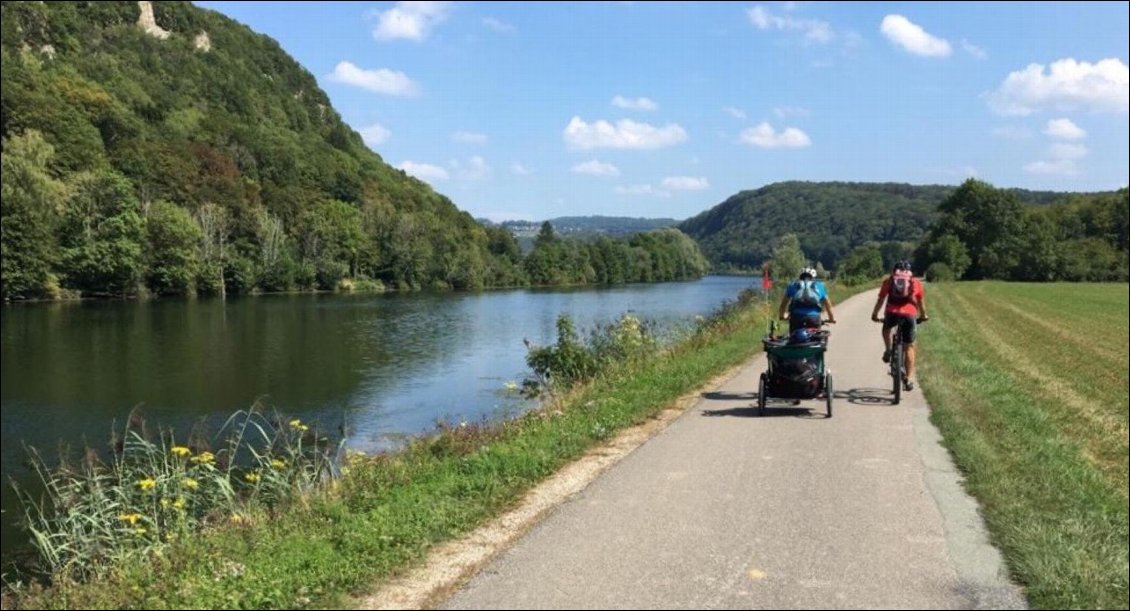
(584,227)
(830,218)
(612,226)
(170,125)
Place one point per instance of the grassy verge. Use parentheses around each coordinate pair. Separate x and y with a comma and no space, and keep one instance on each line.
(1028,383)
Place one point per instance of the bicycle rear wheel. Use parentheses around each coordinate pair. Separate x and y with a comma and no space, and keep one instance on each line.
(896,371)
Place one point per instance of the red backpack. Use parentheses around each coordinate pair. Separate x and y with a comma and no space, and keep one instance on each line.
(902,286)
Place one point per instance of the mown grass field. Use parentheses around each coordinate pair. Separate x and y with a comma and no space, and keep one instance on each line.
(1028,383)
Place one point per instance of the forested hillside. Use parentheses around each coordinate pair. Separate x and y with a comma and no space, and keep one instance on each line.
(831,219)
(197,156)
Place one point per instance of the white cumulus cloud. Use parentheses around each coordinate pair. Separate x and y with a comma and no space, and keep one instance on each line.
(520,170)
(764,136)
(784,112)
(475,168)
(1065,129)
(642,190)
(375,134)
(1064,160)
(736,113)
(595,168)
(424,171)
(463,137)
(685,183)
(645,104)
(1063,150)
(1012,132)
(410,20)
(1059,167)
(498,25)
(973,50)
(381,80)
(813,30)
(624,134)
(910,36)
(1065,85)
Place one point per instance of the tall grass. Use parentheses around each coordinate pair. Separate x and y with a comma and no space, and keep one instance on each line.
(94,513)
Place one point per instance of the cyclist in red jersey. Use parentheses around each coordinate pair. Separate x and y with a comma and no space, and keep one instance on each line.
(906,306)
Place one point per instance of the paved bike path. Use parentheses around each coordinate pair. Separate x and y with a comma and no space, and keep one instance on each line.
(725,510)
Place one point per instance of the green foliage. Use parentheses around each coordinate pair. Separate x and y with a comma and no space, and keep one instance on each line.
(101,235)
(939,271)
(985,232)
(571,361)
(173,237)
(655,256)
(865,263)
(566,362)
(788,258)
(29,200)
(830,219)
(948,250)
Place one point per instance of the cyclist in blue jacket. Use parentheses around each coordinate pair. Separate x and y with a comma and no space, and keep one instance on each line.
(804,301)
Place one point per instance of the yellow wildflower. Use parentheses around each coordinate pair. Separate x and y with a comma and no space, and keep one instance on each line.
(204,458)
(297,425)
(190,483)
(147,484)
(139,531)
(278,463)
(179,503)
(180,451)
(251,477)
(130,518)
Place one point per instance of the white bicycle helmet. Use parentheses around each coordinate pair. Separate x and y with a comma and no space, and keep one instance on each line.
(808,271)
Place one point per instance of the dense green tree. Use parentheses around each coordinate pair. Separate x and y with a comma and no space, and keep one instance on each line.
(989,222)
(28,208)
(985,232)
(947,249)
(214,248)
(101,235)
(862,264)
(788,258)
(173,239)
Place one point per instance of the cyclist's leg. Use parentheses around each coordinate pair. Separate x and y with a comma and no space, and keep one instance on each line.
(909,330)
(889,323)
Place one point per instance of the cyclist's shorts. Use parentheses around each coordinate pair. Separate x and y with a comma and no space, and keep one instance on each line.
(908,326)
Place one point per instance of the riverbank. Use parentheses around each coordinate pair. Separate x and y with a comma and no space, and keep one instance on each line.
(387,511)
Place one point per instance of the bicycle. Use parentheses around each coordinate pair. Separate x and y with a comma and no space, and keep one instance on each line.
(899,380)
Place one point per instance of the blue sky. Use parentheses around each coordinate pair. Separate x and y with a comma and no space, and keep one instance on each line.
(520,110)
